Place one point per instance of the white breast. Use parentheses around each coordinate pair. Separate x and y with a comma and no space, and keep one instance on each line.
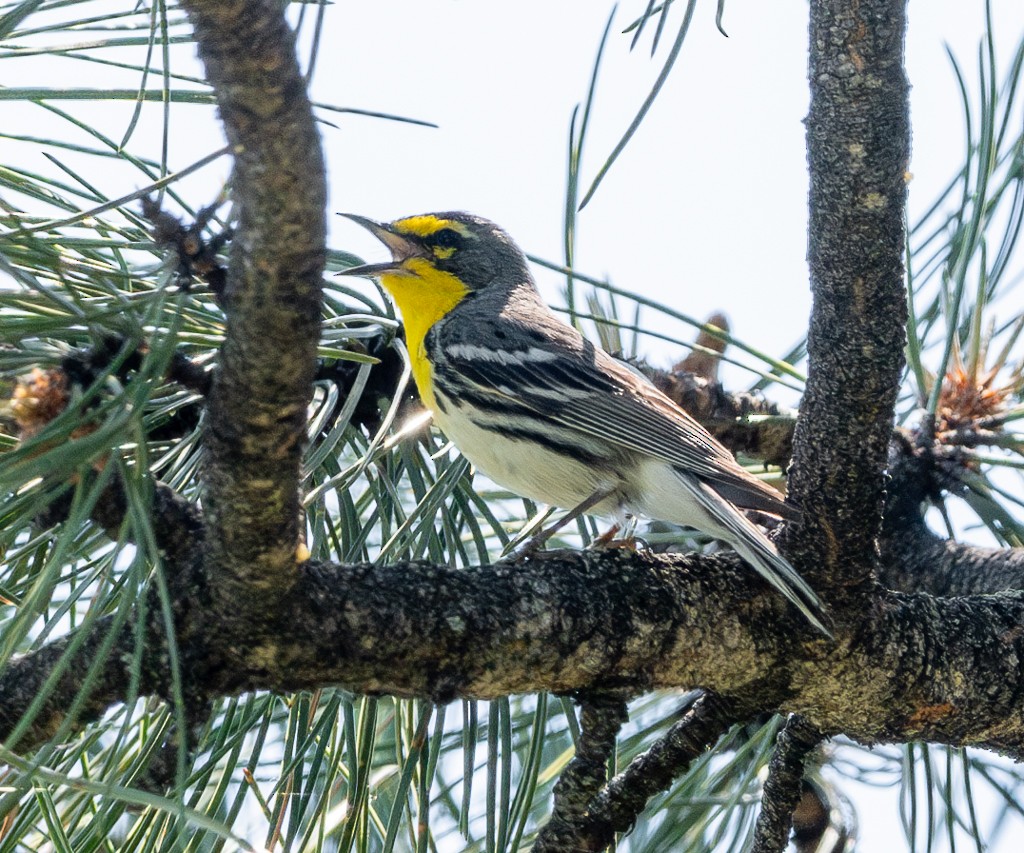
(524,467)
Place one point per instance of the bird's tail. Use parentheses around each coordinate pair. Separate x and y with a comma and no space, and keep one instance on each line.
(730,525)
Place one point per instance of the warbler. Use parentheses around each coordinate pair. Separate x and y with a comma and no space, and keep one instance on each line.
(544,412)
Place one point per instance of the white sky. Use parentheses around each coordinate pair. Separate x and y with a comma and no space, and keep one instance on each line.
(706,209)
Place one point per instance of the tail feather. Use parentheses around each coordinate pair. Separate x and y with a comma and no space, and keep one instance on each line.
(725,522)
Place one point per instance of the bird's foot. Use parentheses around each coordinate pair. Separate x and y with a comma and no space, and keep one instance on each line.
(537,541)
(608,540)
(620,535)
(611,541)
(523,550)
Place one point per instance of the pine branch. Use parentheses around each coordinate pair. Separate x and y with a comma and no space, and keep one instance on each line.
(256,414)
(618,805)
(784,785)
(912,557)
(858,144)
(601,719)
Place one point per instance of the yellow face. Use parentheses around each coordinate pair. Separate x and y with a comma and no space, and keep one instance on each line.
(423,293)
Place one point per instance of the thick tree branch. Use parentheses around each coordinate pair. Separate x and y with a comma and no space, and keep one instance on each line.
(942,670)
(914,559)
(22,681)
(561,621)
(256,417)
(931,669)
(858,145)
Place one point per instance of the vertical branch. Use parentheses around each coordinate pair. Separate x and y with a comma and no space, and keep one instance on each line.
(858,146)
(784,785)
(257,407)
(601,718)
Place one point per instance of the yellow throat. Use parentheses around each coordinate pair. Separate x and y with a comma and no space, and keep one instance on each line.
(423,294)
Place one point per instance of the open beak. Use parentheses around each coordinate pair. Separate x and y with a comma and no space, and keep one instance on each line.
(402,248)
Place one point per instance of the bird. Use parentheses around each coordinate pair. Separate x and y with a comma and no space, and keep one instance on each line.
(545,413)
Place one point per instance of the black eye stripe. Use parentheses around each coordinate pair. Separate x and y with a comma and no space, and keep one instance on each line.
(447,238)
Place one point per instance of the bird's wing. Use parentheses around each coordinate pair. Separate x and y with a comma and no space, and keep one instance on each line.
(577,385)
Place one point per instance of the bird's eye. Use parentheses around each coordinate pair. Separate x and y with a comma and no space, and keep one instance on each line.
(447,238)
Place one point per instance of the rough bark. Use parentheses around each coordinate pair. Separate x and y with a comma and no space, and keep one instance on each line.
(583,779)
(616,808)
(925,668)
(256,413)
(858,145)
(784,786)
